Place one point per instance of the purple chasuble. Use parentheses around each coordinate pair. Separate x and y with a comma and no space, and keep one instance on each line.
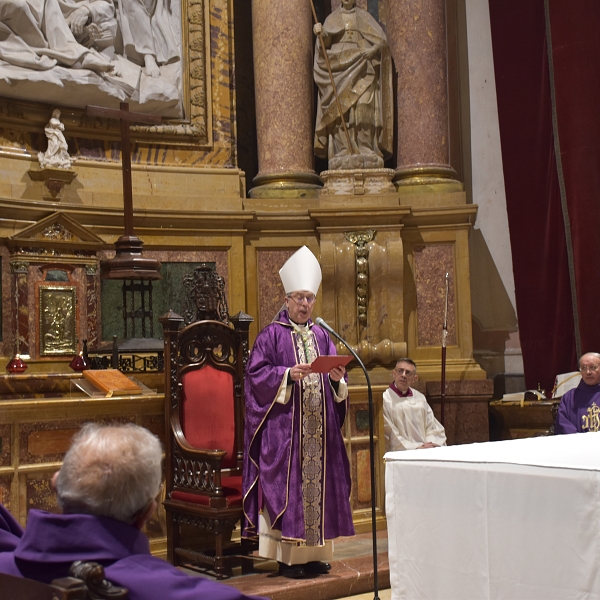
(52,542)
(579,410)
(10,531)
(295,452)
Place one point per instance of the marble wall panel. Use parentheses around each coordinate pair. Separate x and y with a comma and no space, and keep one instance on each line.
(360,472)
(48,441)
(5,445)
(363,477)
(431,263)
(167,293)
(5,483)
(7,330)
(466,409)
(23,313)
(39,493)
(92,321)
(270,290)
(155,424)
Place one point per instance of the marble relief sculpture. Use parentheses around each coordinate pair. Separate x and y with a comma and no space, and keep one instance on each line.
(57,155)
(359,71)
(79,52)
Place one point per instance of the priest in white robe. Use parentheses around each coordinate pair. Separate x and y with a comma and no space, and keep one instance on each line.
(409,422)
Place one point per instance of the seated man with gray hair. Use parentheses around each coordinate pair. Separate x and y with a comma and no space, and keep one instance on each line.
(107,489)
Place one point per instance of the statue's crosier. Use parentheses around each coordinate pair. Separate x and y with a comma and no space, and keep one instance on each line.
(356,69)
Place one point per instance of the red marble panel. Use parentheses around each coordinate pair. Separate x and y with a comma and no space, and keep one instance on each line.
(270,289)
(6,345)
(5,445)
(23,346)
(91,296)
(432,262)
(360,472)
(363,476)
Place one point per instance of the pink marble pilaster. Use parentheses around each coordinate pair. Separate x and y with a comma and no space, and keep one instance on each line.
(283,41)
(20,308)
(416,31)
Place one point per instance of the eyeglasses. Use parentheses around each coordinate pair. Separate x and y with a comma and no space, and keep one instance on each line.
(590,368)
(406,372)
(299,299)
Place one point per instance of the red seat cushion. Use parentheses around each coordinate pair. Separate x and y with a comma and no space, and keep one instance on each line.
(232,488)
(207,414)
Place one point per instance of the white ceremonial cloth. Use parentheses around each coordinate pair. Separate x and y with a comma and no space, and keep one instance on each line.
(409,422)
(517,519)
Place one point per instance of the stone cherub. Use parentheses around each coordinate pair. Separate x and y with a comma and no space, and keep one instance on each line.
(57,155)
(358,56)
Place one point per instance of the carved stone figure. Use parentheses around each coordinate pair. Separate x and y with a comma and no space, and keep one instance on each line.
(93,23)
(35,34)
(147,34)
(360,65)
(80,52)
(57,155)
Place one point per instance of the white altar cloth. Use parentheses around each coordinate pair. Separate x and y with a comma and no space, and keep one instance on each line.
(517,519)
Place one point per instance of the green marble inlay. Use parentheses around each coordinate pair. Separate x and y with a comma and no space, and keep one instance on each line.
(57,275)
(167,294)
(362,420)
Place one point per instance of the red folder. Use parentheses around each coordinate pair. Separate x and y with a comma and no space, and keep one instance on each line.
(324,364)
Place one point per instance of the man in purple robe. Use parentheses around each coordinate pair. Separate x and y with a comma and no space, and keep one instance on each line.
(10,531)
(579,409)
(106,489)
(296,486)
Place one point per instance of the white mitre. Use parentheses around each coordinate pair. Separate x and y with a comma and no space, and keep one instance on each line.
(302,271)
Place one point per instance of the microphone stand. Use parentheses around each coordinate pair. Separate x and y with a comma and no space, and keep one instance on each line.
(444,337)
(322,323)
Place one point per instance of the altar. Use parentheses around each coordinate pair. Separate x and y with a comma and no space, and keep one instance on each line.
(515,519)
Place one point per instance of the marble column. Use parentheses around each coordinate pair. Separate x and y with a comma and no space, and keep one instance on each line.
(283,41)
(416,31)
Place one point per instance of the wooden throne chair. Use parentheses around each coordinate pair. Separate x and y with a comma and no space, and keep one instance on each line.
(204,415)
(85,582)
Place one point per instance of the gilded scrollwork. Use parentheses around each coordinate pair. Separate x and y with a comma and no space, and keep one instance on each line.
(19,266)
(360,239)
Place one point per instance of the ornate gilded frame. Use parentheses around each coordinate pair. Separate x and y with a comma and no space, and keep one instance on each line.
(57,320)
(195,128)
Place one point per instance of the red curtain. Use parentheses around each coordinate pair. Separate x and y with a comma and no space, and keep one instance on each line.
(537,228)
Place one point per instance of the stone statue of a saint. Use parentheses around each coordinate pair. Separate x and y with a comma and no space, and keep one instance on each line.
(360,65)
(57,155)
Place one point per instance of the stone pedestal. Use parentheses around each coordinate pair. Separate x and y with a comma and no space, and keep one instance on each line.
(357,182)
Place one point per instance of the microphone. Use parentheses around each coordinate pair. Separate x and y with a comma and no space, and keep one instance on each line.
(325,326)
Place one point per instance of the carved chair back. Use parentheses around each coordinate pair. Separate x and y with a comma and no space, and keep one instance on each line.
(204,415)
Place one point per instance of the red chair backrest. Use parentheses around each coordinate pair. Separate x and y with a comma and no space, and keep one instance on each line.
(207,411)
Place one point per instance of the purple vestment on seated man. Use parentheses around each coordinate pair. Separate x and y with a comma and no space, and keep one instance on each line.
(579,410)
(10,531)
(51,543)
(272,439)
